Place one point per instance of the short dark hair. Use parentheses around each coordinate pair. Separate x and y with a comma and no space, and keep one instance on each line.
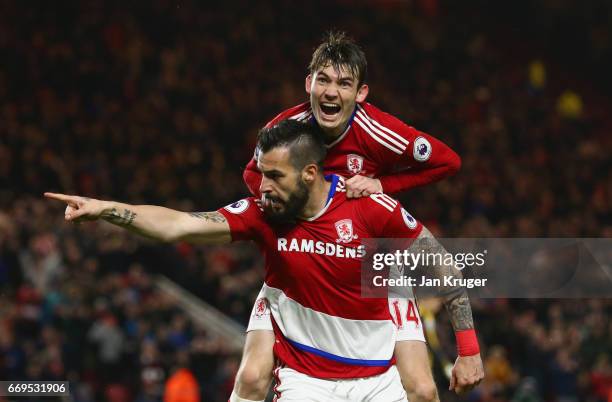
(305,142)
(339,50)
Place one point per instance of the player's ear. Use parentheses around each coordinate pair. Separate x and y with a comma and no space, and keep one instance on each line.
(309,173)
(362,93)
(308,83)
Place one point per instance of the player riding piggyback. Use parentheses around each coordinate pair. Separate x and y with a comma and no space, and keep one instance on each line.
(378,151)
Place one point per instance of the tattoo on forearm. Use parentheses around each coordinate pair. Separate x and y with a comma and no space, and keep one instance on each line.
(455,298)
(460,312)
(215,217)
(113,216)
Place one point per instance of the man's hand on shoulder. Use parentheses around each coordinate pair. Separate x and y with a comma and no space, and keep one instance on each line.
(466,374)
(361,186)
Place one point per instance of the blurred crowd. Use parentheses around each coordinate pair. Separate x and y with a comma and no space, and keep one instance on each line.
(160,104)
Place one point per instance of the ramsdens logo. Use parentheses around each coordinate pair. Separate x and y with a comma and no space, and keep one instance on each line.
(321,248)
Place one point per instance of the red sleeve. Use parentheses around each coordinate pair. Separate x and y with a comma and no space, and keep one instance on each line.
(401,225)
(244,218)
(418,159)
(426,160)
(387,218)
(252,176)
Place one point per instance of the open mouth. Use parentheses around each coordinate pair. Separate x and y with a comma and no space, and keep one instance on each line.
(330,109)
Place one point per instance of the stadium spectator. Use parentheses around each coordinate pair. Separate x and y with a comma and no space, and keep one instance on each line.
(182,385)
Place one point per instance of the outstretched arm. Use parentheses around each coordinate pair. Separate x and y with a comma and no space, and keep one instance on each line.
(468,370)
(152,221)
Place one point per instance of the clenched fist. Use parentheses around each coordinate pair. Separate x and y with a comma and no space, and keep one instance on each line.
(361,186)
(466,374)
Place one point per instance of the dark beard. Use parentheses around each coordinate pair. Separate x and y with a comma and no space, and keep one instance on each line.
(294,205)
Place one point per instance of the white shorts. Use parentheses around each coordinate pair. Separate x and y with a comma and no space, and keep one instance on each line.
(292,386)
(404,312)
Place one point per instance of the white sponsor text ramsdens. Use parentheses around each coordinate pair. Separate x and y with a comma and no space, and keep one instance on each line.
(320,247)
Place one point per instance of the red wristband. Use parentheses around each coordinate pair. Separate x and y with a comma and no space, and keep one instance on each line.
(467,343)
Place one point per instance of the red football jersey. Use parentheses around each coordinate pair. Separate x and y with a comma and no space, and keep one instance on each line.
(375,144)
(324,327)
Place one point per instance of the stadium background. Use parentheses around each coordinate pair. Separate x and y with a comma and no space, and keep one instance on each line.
(159,102)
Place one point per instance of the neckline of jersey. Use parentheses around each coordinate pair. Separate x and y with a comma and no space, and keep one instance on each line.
(334,179)
(313,120)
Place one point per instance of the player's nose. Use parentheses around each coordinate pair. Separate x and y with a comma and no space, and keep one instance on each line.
(264,186)
(331,92)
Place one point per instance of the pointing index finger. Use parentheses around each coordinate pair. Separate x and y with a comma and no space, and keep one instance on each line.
(60,197)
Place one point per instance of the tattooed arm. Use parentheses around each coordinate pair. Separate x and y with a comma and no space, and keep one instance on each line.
(149,220)
(455,298)
(468,370)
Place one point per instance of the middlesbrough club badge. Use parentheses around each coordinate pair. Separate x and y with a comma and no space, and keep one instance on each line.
(344,228)
(261,308)
(354,163)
